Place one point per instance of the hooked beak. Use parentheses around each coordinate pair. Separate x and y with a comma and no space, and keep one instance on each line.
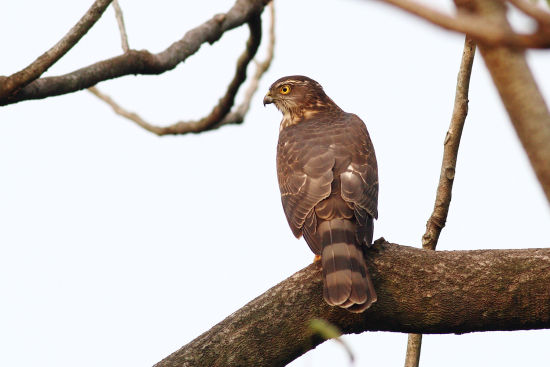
(268,99)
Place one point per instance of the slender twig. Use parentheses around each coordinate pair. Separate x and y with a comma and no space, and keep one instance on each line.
(234,117)
(121,26)
(121,111)
(414,345)
(437,220)
(477,27)
(139,62)
(450,151)
(13,83)
(219,114)
(237,116)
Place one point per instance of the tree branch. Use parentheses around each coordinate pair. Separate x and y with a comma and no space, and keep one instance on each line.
(414,346)
(518,90)
(446,178)
(121,27)
(141,62)
(418,291)
(450,151)
(237,116)
(220,114)
(12,84)
(532,10)
(477,27)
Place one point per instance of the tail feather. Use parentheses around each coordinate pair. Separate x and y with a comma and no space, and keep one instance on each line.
(359,293)
(346,280)
(335,260)
(371,298)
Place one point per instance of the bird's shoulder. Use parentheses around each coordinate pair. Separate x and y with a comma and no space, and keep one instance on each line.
(324,130)
(321,125)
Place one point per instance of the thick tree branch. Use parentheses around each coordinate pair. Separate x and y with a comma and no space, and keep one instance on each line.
(141,62)
(518,90)
(418,291)
(446,178)
(220,115)
(12,84)
(477,27)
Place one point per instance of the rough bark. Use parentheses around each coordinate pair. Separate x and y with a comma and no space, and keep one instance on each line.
(419,291)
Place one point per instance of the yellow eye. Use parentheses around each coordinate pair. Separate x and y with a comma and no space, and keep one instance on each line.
(285,89)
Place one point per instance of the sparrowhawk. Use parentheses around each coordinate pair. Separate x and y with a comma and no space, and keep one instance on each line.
(328,177)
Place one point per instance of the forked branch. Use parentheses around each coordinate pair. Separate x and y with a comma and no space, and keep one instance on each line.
(12,84)
(221,114)
(133,62)
(480,28)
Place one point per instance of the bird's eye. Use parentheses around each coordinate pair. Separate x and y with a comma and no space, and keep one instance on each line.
(285,89)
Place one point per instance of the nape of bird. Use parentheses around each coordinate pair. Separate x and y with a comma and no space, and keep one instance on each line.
(328,177)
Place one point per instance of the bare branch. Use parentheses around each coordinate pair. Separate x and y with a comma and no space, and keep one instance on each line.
(452,292)
(220,111)
(121,26)
(237,116)
(446,178)
(141,62)
(477,27)
(121,111)
(125,47)
(532,10)
(234,117)
(12,84)
(450,151)
(414,345)
(519,92)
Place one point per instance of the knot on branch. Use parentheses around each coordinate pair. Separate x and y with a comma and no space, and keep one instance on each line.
(450,173)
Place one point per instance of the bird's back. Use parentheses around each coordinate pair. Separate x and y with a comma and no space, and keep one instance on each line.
(319,154)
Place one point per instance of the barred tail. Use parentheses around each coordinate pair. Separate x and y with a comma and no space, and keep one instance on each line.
(346,280)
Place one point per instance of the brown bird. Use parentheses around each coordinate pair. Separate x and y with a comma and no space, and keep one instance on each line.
(328,179)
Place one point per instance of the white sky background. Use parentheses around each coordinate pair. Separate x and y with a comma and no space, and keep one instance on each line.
(118,247)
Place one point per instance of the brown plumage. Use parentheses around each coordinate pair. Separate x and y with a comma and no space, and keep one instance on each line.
(328,179)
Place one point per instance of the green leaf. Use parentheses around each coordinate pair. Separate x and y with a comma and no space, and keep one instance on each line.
(325,329)
(329,331)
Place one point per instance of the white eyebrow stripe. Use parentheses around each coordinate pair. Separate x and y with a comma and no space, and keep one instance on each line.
(290,81)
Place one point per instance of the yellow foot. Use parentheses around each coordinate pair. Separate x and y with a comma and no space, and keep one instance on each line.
(317,258)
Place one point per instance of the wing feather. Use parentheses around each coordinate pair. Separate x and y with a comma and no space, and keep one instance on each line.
(305,178)
(359,180)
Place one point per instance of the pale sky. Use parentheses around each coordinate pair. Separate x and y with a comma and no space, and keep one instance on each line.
(118,247)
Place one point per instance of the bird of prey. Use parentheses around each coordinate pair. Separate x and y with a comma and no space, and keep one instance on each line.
(328,178)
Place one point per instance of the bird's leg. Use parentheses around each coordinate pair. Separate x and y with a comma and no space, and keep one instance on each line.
(316,258)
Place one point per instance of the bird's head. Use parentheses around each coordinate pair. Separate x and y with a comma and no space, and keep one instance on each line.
(298,97)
